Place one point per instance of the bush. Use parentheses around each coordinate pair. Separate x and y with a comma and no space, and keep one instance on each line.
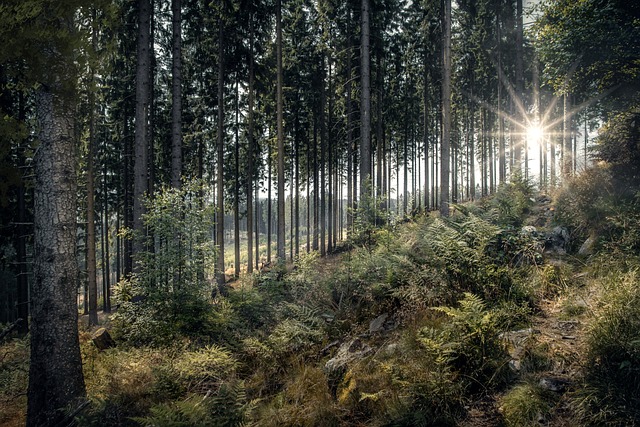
(170,295)
(585,202)
(14,377)
(472,342)
(512,202)
(611,393)
(526,405)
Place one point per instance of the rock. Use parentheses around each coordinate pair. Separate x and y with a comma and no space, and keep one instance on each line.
(557,385)
(557,241)
(529,230)
(516,344)
(587,247)
(102,339)
(391,349)
(377,324)
(350,351)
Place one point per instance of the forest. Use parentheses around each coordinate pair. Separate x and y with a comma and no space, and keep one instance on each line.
(320,213)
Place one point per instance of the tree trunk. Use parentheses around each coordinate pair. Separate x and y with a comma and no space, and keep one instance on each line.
(236,186)
(220,279)
(446,112)
(56,380)
(365,103)
(176,91)
(91,209)
(519,87)
(106,295)
(281,223)
(349,112)
(251,150)
(140,182)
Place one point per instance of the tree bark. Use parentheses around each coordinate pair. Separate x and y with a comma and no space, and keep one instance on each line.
(446,112)
(519,87)
(220,279)
(365,102)
(236,186)
(56,380)
(140,182)
(176,91)
(281,223)
(251,150)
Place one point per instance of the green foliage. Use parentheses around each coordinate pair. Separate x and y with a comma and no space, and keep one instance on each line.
(590,42)
(471,341)
(512,201)
(526,405)
(618,144)
(227,408)
(584,203)
(14,376)
(369,214)
(206,368)
(611,393)
(305,400)
(170,295)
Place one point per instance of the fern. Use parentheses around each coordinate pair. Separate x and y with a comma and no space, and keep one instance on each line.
(205,369)
(469,341)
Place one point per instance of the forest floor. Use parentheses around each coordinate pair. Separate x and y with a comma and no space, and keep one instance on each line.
(557,333)
(562,338)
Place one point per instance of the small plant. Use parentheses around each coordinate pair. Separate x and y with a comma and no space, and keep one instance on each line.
(526,405)
(611,393)
(170,294)
(14,373)
(512,201)
(472,339)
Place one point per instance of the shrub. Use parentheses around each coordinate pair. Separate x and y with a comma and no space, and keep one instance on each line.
(471,337)
(14,376)
(512,202)
(526,405)
(611,393)
(170,294)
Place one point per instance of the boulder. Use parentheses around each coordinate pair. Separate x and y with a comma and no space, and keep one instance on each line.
(557,385)
(557,241)
(102,339)
(377,324)
(529,231)
(587,247)
(349,352)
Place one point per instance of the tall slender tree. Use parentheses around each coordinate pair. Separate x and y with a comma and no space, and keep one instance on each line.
(446,110)
(176,92)
(220,267)
(140,182)
(280,125)
(365,101)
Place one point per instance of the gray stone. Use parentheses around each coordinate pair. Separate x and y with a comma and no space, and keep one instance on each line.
(529,230)
(349,352)
(557,385)
(557,241)
(377,324)
(587,247)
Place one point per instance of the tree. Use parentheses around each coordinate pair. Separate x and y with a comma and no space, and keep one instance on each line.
(280,125)
(140,181)
(46,44)
(91,220)
(590,56)
(365,102)
(176,105)
(446,110)
(220,158)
